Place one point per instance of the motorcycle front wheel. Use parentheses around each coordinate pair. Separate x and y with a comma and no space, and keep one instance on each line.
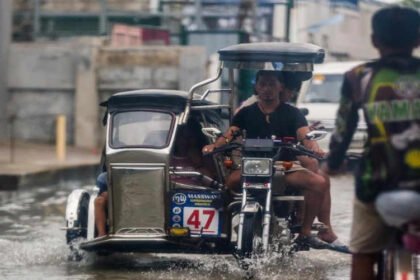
(250,235)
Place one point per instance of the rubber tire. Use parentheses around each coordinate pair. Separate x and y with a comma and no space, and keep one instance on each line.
(73,235)
(386,265)
(82,221)
(248,234)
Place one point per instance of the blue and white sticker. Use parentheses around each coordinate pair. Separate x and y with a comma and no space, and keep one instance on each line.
(176,210)
(179,198)
(176,218)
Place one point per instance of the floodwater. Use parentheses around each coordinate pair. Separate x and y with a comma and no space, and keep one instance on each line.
(33,246)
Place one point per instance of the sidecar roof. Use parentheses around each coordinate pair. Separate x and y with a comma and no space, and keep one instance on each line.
(272,56)
(172,100)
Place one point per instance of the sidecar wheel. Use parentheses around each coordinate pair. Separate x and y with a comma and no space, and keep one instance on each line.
(78,233)
(80,228)
(75,255)
(248,235)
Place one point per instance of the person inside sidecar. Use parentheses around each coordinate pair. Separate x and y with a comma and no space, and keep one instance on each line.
(101,202)
(271,115)
(186,156)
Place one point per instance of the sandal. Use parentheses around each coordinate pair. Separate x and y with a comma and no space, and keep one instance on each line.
(338,246)
(311,242)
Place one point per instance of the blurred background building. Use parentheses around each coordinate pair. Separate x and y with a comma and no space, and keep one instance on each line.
(68,55)
(329,23)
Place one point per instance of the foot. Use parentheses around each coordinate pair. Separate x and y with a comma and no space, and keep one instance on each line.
(311,241)
(333,243)
(338,246)
(327,236)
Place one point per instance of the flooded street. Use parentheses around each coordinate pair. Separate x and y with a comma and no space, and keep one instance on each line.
(32,246)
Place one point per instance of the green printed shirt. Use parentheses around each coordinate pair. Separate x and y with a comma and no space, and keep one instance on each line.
(388,92)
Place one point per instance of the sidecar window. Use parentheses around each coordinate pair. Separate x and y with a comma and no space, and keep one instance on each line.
(141,129)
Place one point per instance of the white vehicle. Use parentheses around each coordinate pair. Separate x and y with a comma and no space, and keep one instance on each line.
(321,97)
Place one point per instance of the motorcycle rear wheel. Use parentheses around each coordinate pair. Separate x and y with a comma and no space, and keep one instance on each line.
(390,266)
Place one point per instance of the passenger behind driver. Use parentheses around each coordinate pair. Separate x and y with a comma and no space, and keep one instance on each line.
(270,115)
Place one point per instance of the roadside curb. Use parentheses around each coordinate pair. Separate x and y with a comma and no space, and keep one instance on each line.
(85,174)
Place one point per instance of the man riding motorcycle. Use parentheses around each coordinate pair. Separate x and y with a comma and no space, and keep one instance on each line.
(269,116)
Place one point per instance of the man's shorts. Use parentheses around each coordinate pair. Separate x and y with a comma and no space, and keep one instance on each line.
(295,167)
(369,234)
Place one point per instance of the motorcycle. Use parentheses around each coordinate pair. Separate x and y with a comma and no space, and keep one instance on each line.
(147,209)
(402,259)
(268,221)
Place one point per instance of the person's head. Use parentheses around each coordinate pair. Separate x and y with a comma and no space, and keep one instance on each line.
(395,30)
(268,85)
(292,84)
(189,137)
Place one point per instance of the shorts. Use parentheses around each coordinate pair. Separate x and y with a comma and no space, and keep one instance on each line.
(369,234)
(295,167)
(102,182)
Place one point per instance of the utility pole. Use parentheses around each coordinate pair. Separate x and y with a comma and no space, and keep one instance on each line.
(247,11)
(5,38)
(199,15)
(289,7)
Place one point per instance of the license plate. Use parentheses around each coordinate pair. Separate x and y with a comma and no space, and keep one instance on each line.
(194,210)
(204,221)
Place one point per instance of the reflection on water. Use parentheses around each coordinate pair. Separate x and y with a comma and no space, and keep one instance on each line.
(32,246)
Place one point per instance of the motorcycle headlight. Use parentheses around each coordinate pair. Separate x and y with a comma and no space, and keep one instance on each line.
(256,167)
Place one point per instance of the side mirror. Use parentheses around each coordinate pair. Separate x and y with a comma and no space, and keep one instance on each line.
(211,132)
(316,135)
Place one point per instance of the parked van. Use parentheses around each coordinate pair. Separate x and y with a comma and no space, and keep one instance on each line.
(321,97)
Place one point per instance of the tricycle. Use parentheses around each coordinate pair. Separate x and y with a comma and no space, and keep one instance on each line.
(165,197)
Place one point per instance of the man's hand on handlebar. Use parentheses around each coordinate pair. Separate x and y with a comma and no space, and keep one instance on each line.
(232,133)
(208,148)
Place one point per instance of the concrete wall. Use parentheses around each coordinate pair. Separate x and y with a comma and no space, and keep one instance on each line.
(5,38)
(71,78)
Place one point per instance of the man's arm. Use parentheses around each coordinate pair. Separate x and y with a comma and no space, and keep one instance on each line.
(345,125)
(222,140)
(309,162)
(310,144)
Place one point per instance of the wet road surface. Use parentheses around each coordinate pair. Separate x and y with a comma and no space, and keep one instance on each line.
(32,246)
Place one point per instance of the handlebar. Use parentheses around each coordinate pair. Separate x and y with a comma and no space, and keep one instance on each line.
(227,147)
(298,149)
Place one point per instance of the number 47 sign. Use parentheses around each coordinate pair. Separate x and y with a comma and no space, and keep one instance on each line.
(201,220)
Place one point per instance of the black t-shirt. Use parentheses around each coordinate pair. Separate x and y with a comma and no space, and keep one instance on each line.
(283,122)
